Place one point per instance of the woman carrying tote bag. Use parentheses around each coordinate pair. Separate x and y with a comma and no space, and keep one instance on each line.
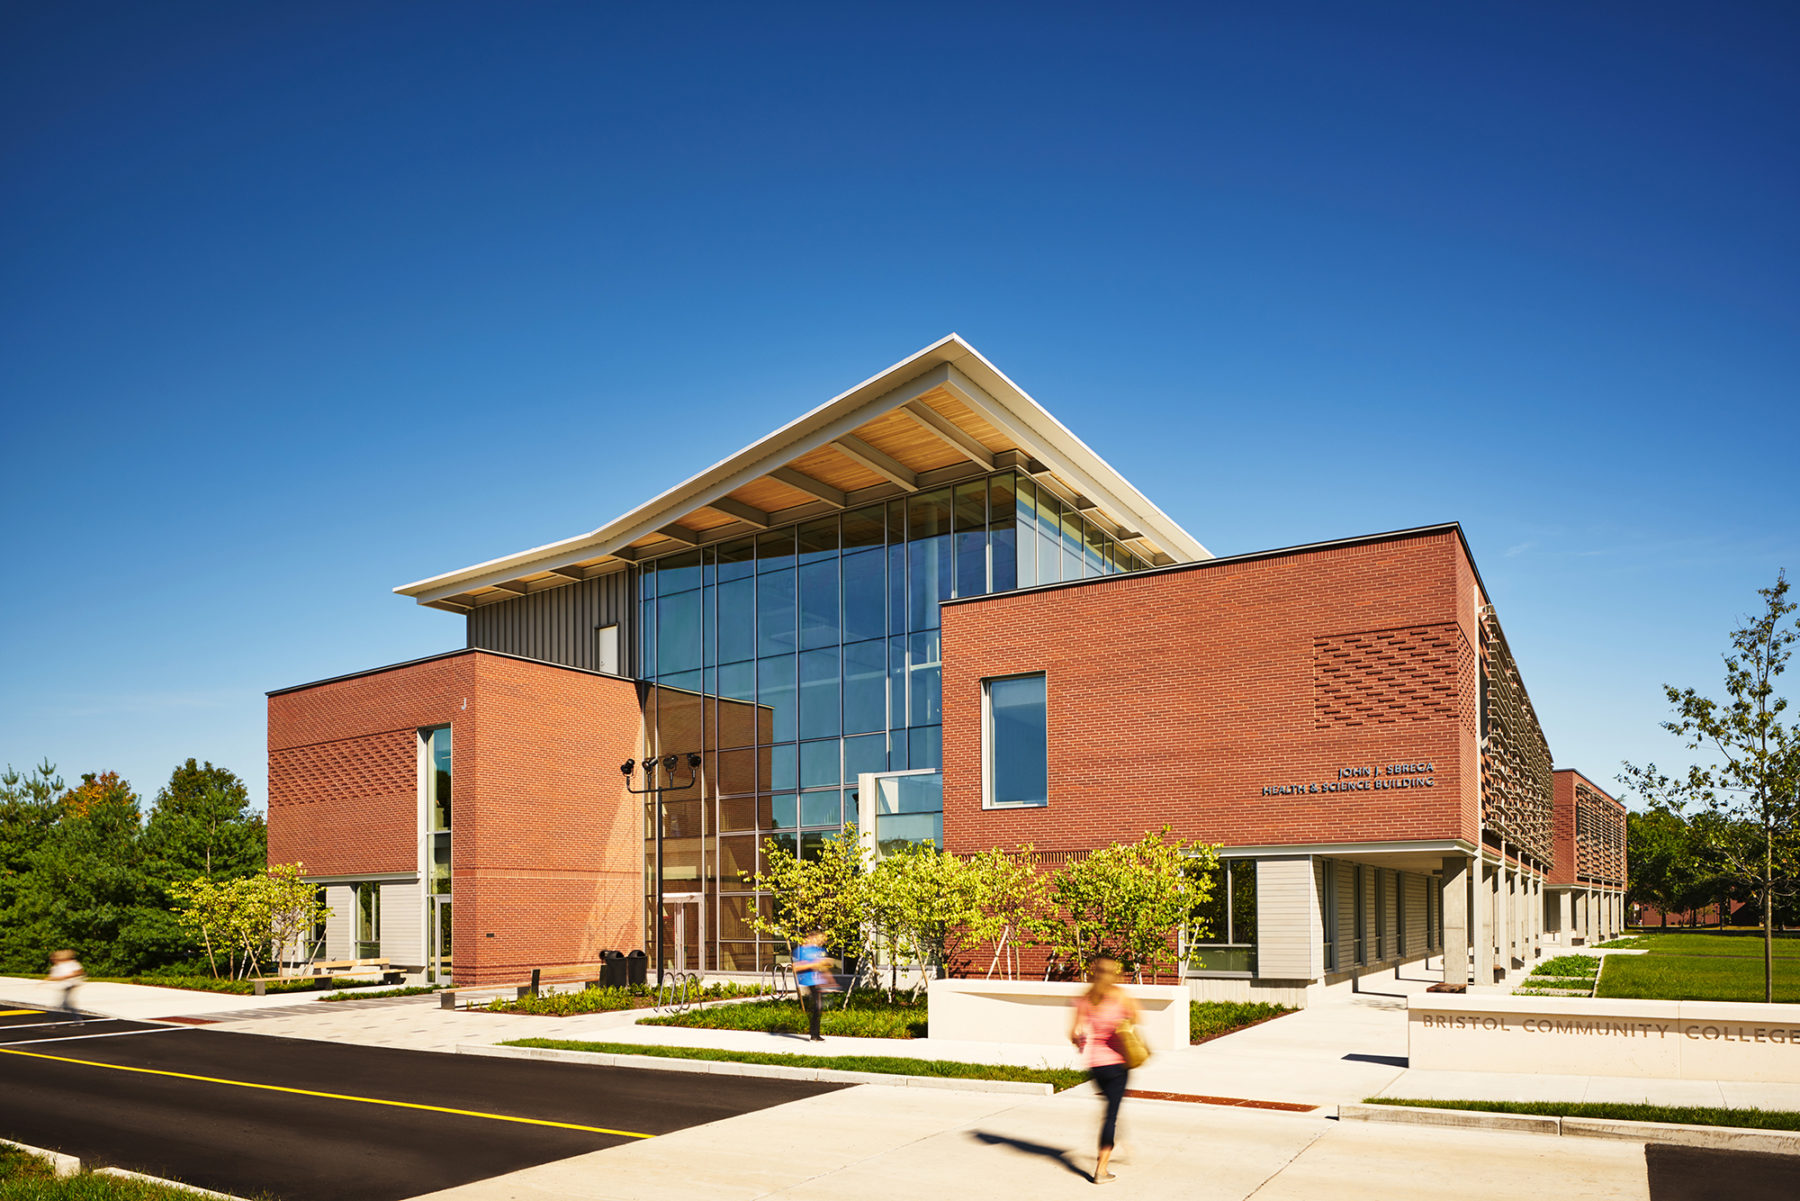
(1105,1031)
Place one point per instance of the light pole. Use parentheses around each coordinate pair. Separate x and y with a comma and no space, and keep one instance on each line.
(668,763)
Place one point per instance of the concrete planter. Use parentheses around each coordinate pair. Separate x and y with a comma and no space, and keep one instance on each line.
(1036,1012)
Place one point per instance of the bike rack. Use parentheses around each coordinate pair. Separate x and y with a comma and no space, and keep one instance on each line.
(676,992)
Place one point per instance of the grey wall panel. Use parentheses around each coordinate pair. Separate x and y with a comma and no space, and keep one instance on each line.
(559,625)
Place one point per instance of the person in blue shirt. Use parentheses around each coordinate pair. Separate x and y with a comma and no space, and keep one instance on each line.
(811,965)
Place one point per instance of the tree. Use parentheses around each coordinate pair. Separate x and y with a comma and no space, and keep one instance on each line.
(925,901)
(200,824)
(1127,901)
(1748,796)
(1660,860)
(83,882)
(825,893)
(250,918)
(29,805)
(1012,910)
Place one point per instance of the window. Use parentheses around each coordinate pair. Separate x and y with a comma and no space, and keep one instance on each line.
(1222,931)
(1400,915)
(1328,913)
(1360,911)
(1015,742)
(368,921)
(316,944)
(1381,906)
(606,650)
(436,747)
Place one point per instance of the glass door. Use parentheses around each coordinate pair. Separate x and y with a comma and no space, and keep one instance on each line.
(437,935)
(681,933)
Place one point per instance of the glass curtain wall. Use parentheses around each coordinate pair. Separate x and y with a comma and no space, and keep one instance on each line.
(798,658)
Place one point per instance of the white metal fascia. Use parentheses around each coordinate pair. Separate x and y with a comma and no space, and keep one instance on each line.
(949,362)
(1052,443)
(815,429)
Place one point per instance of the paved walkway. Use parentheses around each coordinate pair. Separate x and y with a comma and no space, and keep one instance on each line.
(141,1002)
(877,1143)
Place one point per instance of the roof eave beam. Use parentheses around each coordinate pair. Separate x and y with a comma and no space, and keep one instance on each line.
(569,573)
(738,509)
(881,464)
(679,533)
(946,431)
(515,586)
(801,482)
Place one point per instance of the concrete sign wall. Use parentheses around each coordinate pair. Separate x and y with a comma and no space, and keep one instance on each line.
(1684,1040)
(1032,1011)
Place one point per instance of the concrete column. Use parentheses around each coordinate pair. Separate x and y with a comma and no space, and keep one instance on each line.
(1455,899)
(1565,916)
(1537,917)
(1481,924)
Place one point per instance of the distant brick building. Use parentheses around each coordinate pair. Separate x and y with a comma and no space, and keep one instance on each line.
(927,608)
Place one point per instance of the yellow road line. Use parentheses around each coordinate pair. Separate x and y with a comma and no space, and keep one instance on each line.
(15,1013)
(307,1092)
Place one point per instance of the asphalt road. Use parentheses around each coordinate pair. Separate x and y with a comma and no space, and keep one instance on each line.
(296,1118)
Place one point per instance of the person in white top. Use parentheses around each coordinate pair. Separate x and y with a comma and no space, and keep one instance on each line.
(66,970)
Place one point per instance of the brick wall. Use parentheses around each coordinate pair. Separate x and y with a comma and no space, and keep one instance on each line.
(546,845)
(1176,698)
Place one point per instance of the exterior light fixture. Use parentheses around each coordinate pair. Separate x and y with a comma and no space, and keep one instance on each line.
(652,789)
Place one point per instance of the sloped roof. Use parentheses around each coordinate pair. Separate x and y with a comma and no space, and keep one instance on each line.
(942,414)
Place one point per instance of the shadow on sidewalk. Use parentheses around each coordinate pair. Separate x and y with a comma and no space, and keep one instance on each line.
(1030,1148)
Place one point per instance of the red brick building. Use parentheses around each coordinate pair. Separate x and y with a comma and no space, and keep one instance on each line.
(926,607)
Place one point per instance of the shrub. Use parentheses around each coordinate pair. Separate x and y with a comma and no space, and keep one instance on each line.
(869,1015)
(611,1000)
(1568,965)
(1208,1019)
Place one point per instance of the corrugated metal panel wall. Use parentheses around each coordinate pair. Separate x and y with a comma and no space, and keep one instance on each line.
(559,625)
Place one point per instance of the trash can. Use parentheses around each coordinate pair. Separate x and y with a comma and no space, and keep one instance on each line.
(637,966)
(613,971)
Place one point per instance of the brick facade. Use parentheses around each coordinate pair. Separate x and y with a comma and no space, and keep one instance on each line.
(1178,697)
(547,846)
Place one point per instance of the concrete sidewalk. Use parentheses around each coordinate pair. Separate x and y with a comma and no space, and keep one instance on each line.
(879,1143)
(144,1002)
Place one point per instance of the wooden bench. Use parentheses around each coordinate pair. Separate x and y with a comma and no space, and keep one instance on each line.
(377,971)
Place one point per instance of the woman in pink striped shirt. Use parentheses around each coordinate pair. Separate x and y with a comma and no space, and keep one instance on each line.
(1099,1013)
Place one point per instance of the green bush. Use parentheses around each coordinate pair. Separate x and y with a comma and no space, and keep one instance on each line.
(386,992)
(1207,1019)
(869,1015)
(241,988)
(1568,965)
(1057,1078)
(611,1000)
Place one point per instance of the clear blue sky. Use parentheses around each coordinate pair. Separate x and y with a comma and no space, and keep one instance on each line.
(302,302)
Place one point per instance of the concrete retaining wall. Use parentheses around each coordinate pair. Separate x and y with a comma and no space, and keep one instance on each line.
(1681,1040)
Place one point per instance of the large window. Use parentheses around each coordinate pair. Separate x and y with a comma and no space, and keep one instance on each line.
(1328,913)
(1015,743)
(368,921)
(437,811)
(1221,934)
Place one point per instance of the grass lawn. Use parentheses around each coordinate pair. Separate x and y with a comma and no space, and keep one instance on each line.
(1744,943)
(1690,1115)
(869,1015)
(1568,965)
(888,1065)
(1690,977)
(26,1177)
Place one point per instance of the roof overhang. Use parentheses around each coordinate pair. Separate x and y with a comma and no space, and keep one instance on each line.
(940,415)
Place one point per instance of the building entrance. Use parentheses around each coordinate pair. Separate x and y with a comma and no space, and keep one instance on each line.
(683,946)
(437,941)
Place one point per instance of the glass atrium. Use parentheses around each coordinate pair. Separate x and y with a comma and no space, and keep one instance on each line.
(801,658)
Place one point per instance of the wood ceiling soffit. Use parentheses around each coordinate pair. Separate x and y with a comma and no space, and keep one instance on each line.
(772,495)
(905,439)
(879,462)
(935,425)
(799,481)
(732,507)
(679,533)
(830,466)
(703,519)
(966,419)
